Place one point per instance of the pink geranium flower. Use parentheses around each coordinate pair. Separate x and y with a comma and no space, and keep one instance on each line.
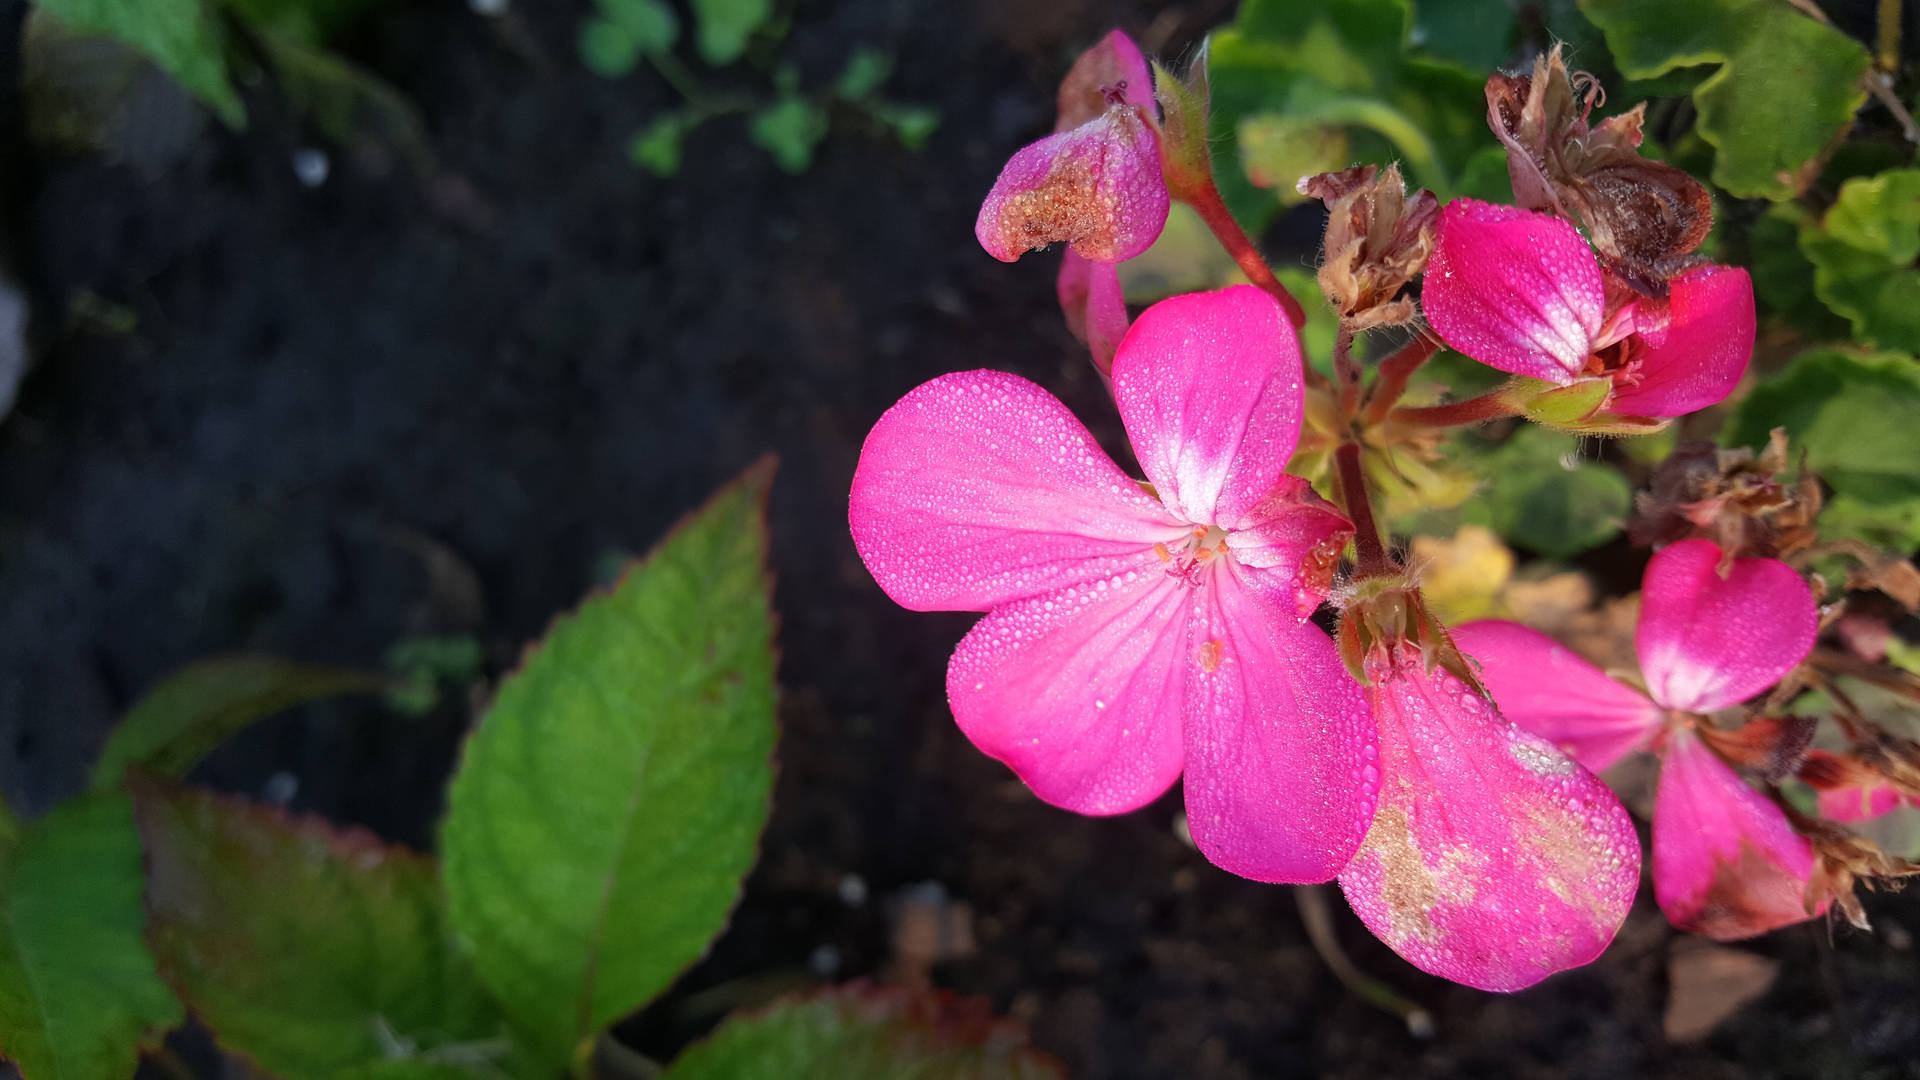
(1137,631)
(1726,861)
(1863,796)
(1095,184)
(1522,292)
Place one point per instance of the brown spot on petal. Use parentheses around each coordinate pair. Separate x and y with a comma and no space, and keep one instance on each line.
(1210,656)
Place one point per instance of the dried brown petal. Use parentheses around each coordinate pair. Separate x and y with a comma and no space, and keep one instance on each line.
(1732,497)
(1378,240)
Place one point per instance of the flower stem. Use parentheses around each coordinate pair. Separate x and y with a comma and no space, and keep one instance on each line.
(1316,914)
(1490,406)
(1371,553)
(1346,371)
(1395,371)
(1204,196)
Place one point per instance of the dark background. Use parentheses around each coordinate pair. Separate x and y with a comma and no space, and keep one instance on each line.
(545,355)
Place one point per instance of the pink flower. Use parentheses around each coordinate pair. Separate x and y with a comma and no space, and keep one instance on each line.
(1522,292)
(1095,183)
(1493,860)
(1862,794)
(1095,308)
(1134,632)
(1726,861)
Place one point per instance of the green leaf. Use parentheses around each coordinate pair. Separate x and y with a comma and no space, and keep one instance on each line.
(1472,33)
(788,130)
(202,705)
(1863,256)
(608,49)
(610,803)
(913,125)
(79,995)
(179,35)
(424,663)
(1854,415)
(1541,495)
(1785,87)
(867,68)
(727,25)
(652,25)
(865,1033)
(656,148)
(310,950)
(1783,275)
(309,23)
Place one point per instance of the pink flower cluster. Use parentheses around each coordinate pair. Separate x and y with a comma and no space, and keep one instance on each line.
(1139,632)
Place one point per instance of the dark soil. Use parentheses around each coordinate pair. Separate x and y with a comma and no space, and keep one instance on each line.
(546,356)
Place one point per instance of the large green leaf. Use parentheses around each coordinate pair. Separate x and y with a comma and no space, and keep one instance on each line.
(1786,85)
(309,949)
(1863,256)
(78,993)
(611,801)
(1855,415)
(179,35)
(203,704)
(861,1033)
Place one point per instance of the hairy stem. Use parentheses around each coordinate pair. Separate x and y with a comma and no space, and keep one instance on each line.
(1491,406)
(1205,197)
(1371,553)
(1316,914)
(1395,371)
(1346,370)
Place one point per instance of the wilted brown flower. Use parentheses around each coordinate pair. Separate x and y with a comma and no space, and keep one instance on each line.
(1644,217)
(1378,240)
(1735,498)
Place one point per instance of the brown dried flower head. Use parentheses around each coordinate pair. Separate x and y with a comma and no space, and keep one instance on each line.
(1378,240)
(1736,498)
(1644,217)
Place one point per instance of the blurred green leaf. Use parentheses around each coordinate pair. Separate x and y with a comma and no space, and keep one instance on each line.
(610,803)
(207,702)
(1475,34)
(1277,149)
(1863,255)
(866,1033)
(1855,416)
(79,995)
(1186,258)
(867,69)
(652,24)
(727,25)
(609,50)
(1542,495)
(1783,275)
(788,130)
(308,949)
(303,22)
(656,147)
(1338,66)
(179,35)
(913,125)
(426,662)
(1785,87)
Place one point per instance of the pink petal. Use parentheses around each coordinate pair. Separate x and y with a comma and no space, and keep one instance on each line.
(1079,691)
(1114,63)
(1548,689)
(1097,187)
(1515,290)
(1696,356)
(1279,785)
(1852,805)
(1096,311)
(979,488)
(1726,863)
(1707,643)
(1494,859)
(1209,388)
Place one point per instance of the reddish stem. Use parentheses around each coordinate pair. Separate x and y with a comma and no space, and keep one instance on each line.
(1395,371)
(1372,554)
(1203,195)
(1478,410)
(1346,371)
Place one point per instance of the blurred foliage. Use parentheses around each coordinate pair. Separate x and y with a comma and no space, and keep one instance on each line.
(1863,254)
(79,994)
(788,124)
(182,36)
(867,1033)
(428,663)
(1857,418)
(1782,88)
